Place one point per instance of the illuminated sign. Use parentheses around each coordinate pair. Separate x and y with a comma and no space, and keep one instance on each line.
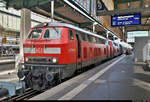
(123,20)
(4,40)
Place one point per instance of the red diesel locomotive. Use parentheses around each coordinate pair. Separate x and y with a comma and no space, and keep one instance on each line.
(54,51)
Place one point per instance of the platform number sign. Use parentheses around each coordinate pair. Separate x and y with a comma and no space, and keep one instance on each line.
(99,5)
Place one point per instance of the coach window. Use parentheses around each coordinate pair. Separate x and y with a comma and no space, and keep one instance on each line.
(100,41)
(90,38)
(94,39)
(71,37)
(104,41)
(97,40)
(86,37)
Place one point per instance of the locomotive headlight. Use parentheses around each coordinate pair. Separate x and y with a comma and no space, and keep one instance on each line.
(54,60)
(27,59)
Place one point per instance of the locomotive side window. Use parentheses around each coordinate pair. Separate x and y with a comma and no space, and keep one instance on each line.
(83,36)
(35,34)
(71,37)
(90,38)
(52,33)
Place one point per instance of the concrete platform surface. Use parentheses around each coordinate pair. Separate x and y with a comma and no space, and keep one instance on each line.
(7,63)
(2,61)
(117,79)
(9,76)
(7,57)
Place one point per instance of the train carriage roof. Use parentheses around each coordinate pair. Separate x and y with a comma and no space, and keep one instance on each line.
(54,24)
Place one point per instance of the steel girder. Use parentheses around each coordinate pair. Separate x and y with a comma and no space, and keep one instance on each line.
(18,4)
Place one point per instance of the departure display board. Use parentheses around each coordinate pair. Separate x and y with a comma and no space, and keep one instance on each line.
(124,20)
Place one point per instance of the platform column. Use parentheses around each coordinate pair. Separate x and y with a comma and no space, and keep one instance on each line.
(149,33)
(25,26)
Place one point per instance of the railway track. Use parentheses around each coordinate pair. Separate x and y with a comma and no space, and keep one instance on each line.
(28,94)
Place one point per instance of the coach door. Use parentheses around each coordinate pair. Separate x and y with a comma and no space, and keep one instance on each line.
(78,38)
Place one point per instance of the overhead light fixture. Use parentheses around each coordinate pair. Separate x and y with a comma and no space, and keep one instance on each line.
(128,4)
(146,5)
(95,23)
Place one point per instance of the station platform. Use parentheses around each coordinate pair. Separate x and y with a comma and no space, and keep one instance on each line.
(117,79)
(7,63)
(9,76)
(7,60)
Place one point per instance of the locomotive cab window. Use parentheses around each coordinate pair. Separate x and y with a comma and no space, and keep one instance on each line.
(71,37)
(35,34)
(52,33)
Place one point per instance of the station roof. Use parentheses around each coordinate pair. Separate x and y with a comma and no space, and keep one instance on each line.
(68,11)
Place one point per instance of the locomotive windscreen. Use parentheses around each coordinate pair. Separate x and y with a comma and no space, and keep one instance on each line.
(52,33)
(49,33)
(35,34)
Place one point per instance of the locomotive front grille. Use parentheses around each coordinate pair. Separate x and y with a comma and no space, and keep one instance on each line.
(39,60)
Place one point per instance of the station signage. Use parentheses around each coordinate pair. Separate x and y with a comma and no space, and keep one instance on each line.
(4,40)
(124,20)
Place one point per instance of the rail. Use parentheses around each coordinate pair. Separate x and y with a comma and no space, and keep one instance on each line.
(28,94)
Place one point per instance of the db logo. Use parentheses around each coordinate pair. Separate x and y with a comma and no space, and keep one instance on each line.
(38,50)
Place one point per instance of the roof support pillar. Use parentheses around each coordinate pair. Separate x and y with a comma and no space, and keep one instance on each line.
(52,10)
(25,26)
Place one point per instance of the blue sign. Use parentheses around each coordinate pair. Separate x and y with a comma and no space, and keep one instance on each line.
(123,20)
